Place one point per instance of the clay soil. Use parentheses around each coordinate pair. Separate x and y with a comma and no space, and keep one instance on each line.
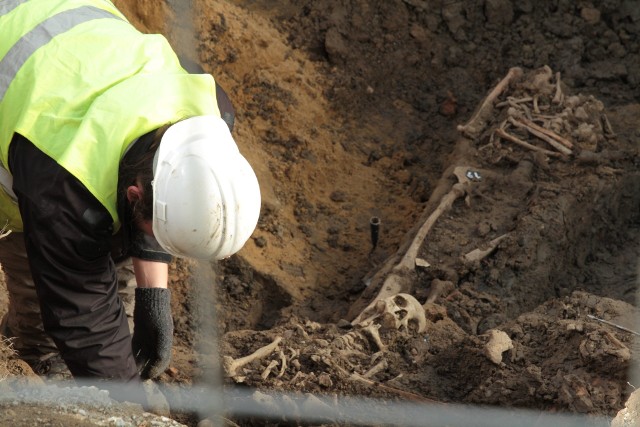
(351,110)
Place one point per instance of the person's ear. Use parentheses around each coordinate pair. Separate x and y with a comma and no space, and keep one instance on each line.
(134,193)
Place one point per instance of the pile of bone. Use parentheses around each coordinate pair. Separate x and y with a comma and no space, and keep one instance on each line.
(535,114)
(400,312)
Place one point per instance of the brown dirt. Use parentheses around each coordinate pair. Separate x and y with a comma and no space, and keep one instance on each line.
(349,110)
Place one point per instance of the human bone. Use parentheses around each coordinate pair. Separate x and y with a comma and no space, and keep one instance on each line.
(397,311)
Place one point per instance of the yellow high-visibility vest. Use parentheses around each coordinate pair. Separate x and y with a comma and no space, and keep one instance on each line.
(81,83)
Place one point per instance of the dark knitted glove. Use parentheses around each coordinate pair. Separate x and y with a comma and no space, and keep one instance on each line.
(153,331)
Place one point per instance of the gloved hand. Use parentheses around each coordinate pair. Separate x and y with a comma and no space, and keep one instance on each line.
(152,331)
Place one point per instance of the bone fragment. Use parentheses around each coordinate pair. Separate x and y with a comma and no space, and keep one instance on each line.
(302,331)
(373,331)
(314,326)
(517,108)
(283,364)
(478,121)
(535,104)
(346,356)
(499,342)
(268,369)
(479,253)
(527,111)
(558,98)
(555,144)
(514,101)
(299,375)
(607,126)
(422,263)
(507,136)
(294,353)
(231,365)
(540,82)
(347,340)
(377,356)
(620,350)
(379,367)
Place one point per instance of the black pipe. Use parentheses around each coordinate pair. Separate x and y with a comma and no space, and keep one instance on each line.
(374,225)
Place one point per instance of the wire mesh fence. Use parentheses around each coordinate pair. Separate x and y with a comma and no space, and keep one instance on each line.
(262,407)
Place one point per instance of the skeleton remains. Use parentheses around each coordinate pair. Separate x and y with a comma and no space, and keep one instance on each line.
(536,110)
(526,115)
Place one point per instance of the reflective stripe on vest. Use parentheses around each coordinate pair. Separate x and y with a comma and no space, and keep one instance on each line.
(41,35)
(7,6)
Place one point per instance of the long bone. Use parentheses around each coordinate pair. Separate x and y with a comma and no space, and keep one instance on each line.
(399,275)
(478,121)
(542,135)
(481,253)
(231,365)
(562,140)
(507,136)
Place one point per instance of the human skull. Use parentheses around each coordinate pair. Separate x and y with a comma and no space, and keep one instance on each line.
(400,311)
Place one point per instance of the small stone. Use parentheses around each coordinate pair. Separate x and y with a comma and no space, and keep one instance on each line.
(324,380)
(343,324)
(590,15)
(499,342)
(338,196)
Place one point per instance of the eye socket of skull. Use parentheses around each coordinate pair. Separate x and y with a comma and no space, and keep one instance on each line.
(413,325)
(400,301)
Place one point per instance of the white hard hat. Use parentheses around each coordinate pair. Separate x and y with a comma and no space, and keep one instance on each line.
(206,198)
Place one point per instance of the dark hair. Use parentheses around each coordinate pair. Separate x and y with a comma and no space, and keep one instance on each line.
(137,166)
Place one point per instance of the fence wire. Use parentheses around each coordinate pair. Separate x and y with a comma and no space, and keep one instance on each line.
(306,409)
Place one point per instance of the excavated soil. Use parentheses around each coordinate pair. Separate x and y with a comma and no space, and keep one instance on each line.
(521,291)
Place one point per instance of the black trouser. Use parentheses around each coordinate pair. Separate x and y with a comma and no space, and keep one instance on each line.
(66,250)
